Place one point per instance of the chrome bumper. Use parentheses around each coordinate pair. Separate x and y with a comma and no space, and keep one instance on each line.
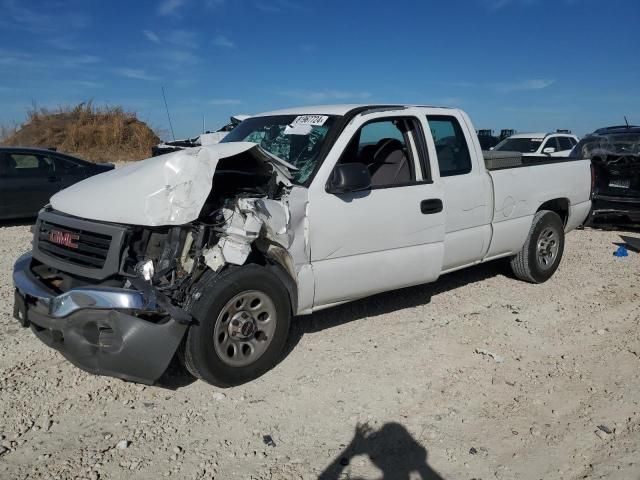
(61,306)
(98,329)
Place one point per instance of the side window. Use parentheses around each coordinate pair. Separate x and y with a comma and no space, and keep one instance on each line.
(565,143)
(62,164)
(28,165)
(551,143)
(451,146)
(384,147)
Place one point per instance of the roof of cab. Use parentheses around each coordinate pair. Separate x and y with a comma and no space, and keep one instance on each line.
(333,109)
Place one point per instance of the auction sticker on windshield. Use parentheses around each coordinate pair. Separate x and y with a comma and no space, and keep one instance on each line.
(314,120)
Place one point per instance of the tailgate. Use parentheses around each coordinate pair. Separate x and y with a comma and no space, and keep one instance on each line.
(617,175)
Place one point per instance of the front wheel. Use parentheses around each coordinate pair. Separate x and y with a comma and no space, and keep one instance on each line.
(242,322)
(542,251)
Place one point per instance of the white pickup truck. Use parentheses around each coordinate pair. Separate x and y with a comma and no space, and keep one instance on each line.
(207,253)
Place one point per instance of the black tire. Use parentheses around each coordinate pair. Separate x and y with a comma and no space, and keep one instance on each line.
(530,264)
(214,291)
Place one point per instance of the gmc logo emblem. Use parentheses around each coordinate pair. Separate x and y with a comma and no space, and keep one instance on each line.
(65,239)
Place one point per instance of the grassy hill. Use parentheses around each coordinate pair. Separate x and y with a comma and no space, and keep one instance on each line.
(99,134)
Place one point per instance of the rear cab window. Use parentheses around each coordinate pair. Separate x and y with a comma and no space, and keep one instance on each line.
(452,149)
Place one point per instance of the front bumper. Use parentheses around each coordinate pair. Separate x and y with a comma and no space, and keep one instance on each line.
(97,329)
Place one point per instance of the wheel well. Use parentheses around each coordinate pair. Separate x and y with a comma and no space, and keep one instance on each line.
(559,206)
(276,261)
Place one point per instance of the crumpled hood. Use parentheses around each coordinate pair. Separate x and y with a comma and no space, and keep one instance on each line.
(169,189)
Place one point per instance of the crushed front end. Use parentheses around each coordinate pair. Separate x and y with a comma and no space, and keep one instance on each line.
(114,297)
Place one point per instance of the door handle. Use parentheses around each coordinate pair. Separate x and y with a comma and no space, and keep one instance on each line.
(433,205)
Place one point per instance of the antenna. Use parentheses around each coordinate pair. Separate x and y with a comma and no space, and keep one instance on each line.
(168,116)
(203,130)
(625,121)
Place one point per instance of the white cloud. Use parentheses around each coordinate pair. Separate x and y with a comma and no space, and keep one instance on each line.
(170,7)
(500,4)
(523,85)
(222,41)
(179,56)
(88,84)
(225,101)
(135,74)
(76,60)
(151,36)
(325,95)
(532,84)
(182,38)
(39,21)
(277,5)
(63,43)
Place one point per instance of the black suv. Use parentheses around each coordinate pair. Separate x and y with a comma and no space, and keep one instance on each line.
(615,159)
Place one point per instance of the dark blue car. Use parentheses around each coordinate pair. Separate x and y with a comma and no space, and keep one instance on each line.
(30,176)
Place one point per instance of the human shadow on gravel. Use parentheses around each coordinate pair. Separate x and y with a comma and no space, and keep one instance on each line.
(388,302)
(392,449)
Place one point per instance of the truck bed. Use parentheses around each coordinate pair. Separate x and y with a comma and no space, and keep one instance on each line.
(500,160)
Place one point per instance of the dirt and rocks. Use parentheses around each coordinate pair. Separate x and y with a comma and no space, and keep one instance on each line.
(479,376)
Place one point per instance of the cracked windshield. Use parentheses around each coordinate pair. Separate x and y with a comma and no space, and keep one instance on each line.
(296,139)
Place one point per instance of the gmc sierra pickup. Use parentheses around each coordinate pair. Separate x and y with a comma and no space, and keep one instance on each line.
(207,253)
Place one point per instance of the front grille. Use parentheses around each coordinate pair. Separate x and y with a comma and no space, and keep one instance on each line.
(81,247)
(92,248)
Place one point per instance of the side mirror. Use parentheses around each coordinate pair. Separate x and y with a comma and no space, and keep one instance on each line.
(349,177)
(549,150)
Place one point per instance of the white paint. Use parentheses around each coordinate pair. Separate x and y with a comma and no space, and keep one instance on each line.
(166,190)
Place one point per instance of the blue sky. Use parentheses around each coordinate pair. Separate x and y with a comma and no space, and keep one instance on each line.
(523,64)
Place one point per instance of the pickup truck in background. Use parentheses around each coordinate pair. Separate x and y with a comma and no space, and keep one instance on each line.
(207,253)
(539,144)
(615,156)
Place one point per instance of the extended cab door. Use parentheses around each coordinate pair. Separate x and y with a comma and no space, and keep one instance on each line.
(468,193)
(389,236)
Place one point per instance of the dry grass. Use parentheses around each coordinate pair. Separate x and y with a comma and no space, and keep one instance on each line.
(100,134)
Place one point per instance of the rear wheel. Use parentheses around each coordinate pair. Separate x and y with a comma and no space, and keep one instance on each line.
(542,251)
(243,318)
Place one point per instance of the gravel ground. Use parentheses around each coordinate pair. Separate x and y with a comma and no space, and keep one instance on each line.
(476,376)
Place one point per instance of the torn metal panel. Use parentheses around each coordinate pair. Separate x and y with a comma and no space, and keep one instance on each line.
(251,218)
(166,190)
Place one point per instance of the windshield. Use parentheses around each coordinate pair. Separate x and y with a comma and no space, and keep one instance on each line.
(611,144)
(522,145)
(296,139)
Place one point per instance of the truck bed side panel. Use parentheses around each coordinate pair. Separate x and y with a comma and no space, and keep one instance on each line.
(520,191)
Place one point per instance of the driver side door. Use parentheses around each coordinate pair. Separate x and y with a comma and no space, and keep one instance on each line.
(388,236)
